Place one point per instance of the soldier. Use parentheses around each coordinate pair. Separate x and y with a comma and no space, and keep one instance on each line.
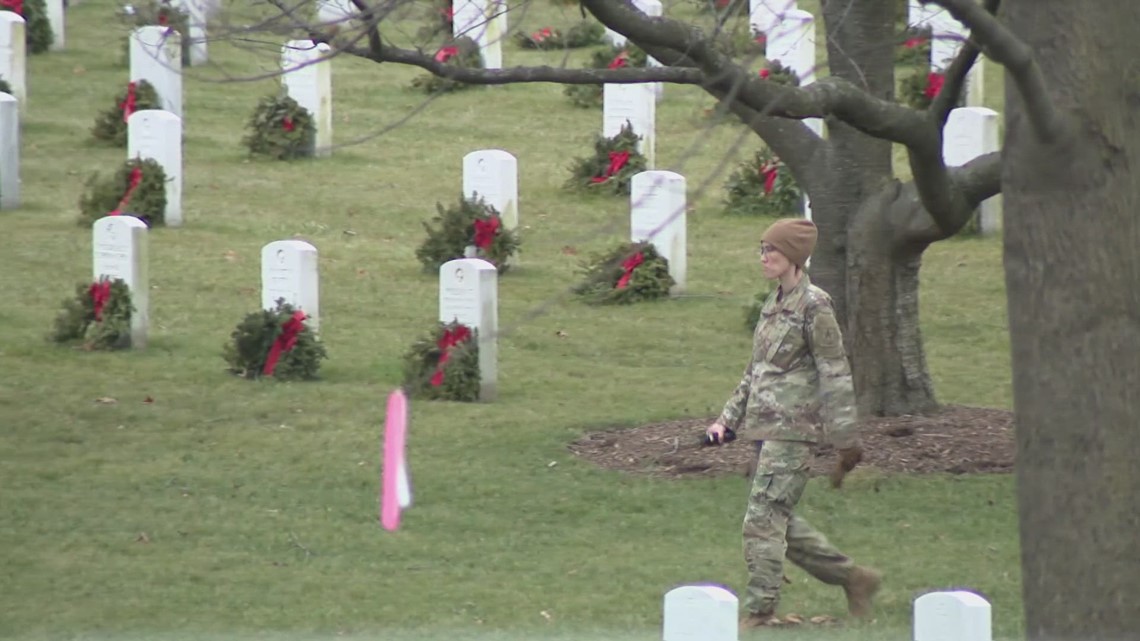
(796,392)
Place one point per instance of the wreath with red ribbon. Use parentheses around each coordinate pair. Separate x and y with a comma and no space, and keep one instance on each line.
(586,33)
(461,52)
(469,224)
(98,317)
(612,57)
(763,186)
(615,162)
(137,188)
(280,128)
(38,34)
(111,125)
(275,343)
(629,273)
(444,365)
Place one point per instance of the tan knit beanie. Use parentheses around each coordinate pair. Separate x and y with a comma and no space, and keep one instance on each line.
(794,237)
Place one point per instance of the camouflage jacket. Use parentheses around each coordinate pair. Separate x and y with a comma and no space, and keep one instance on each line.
(797,385)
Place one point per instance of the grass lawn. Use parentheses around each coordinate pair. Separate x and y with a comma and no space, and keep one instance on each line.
(234,509)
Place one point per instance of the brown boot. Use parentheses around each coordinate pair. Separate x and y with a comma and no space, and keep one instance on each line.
(861,586)
(754,620)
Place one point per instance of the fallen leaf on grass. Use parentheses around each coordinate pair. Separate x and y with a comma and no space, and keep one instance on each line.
(106,400)
(230,255)
(561,334)
(822,619)
(142,538)
(794,619)
(148,400)
(545,615)
(569,251)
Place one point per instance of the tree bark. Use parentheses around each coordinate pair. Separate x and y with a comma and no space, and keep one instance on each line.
(1072,263)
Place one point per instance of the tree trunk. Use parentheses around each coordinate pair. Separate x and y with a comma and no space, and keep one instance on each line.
(888,359)
(1072,263)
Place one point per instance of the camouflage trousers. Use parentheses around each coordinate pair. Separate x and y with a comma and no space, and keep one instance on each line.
(772,531)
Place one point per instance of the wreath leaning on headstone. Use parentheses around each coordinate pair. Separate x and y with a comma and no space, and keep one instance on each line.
(38,33)
(469,223)
(111,125)
(611,57)
(157,13)
(586,33)
(763,186)
(98,317)
(775,71)
(461,52)
(280,128)
(440,17)
(5,87)
(915,48)
(137,188)
(615,162)
(445,365)
(275,343)
(629,273)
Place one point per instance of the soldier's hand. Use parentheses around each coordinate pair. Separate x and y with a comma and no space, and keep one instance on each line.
(848,458)
(715,433)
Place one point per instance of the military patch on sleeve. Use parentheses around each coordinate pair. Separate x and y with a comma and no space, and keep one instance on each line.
(827,342)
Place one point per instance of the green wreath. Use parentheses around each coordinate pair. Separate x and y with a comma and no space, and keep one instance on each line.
(469,223)
(462,52)
(111,125)
(775,71)
(457,377)
(98,317)
(280,128)
(629,273)
(38,34)
(752,311)
(915,47)
(586,33)
(157,13)
(279,333)
(146,201)
(440,20)
(763,186)
(5,87)
(615,162)
(611,57)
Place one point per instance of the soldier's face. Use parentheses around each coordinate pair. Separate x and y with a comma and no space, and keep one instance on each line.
(773,262)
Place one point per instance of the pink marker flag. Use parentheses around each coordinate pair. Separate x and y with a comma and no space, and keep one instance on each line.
(396,491)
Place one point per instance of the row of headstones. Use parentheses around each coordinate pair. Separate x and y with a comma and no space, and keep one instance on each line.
(709,613)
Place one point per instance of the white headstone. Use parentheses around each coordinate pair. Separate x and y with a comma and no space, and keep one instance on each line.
(9,152)
(493,174)
(55,16)
(13,55)
(764,15)
(635,104)
(918,14)
(289,271)
(156,56)
(971,132)
(700,613)
(469,293)
(337,14)
(658,214)
(308,80)
(157,134)
(196,12)
(119,245)
(651,8)
(485,22)
(952,616)
(791,42)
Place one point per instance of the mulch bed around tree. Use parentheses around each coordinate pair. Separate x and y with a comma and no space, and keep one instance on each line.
(953,439)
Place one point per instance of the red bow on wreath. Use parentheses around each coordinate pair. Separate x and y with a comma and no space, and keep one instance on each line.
(539,36)
(934,82)
(450,339)
(446,53)
(629,265)
(130,102)
(16,6)
(287,124)
(485,230)
(911,43)
(765,73)
(769,171)
(617,161)
(136,178)
(100,293)
(619,61)
(285,341)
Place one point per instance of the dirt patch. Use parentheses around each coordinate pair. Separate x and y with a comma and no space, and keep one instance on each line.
(953,439)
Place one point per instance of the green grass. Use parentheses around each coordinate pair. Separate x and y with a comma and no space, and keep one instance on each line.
(259,500)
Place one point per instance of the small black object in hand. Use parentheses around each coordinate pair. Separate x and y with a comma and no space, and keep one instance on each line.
(729,436)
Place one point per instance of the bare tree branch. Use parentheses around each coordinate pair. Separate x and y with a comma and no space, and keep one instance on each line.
(372,18)
(967,57)
(975,181)
(1003,47)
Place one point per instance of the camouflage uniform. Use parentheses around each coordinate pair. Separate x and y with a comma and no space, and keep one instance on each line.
(797,381)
